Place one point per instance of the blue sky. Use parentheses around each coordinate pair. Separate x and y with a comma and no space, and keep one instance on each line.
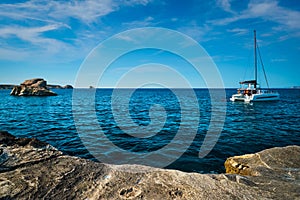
(51,39)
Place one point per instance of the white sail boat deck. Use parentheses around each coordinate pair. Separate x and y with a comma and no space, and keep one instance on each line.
(250,91)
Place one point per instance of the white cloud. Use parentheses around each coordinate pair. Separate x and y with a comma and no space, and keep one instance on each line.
(32,19)
(40,46)
(196,32)
(238,31)
(127,38)
(225,5)
(134,2)
(267,10)
(33,35)
(86,11)
(26,33)
(270,10)
(148,21)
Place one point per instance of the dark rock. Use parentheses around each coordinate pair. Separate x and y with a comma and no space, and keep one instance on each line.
(6,87)
(32,87)
(68,87)
(54,87)
(6,138)
(60,87)
(30,169)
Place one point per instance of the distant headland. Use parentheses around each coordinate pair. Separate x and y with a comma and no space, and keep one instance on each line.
(49,86)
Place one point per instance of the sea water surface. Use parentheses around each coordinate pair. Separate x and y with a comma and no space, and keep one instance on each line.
(248,127)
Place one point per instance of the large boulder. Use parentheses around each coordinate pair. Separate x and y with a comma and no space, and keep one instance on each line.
(32,87)
(30,169)
(280,160)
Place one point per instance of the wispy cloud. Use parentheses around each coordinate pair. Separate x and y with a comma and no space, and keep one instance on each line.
(225,5)
(33,36)
(134,2)
(266,10)
(30,20)
(238,31)
(196,32)
(127,38)
(148,21)
(30,34)
(86,11)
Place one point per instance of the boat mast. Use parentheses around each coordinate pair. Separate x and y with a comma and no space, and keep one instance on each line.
(255,60)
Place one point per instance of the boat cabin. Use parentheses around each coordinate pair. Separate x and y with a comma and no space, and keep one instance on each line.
(248,87)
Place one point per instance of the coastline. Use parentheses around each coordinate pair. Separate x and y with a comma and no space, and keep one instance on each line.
(50,86)
(33,169)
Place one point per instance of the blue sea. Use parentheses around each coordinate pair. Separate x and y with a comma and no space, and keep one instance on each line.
(156,117)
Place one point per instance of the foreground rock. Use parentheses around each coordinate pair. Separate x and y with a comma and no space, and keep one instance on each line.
(32,87)
(30,169)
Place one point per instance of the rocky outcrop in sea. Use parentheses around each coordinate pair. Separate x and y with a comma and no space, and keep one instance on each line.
(59,87)
(8,86)
(32,87)
(31,169)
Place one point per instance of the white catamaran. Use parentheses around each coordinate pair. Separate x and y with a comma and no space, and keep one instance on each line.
(250,90)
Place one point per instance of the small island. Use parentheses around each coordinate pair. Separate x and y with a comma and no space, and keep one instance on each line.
(34,87)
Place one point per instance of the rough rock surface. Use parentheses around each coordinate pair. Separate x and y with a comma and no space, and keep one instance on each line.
(30,169)
(36,82)
(32,87)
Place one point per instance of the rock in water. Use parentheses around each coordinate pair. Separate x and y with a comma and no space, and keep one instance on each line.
(30,169)
(68,87)
(32,87)
(36,82)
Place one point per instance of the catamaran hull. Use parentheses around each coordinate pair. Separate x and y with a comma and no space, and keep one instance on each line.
(256,97)
(265,97)
(238,97)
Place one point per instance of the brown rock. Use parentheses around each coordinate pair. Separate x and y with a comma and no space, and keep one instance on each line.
(31,82)
(32,87)
(30,169)
(41,83)
(265,163)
